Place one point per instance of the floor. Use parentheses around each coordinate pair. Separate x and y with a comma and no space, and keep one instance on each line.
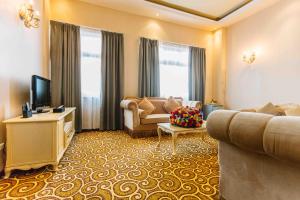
(111,165)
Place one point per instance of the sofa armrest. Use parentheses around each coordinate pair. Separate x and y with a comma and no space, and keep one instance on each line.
(248,110)
(195,104)
(218,123)
(131,113)
(129,104)
(282,138)
(276,136)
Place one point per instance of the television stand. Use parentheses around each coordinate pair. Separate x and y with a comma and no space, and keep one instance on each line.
(39,140)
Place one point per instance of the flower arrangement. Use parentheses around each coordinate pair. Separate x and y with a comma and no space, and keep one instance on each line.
(186,117)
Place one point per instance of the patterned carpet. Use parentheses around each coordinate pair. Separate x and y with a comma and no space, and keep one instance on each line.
(111,165)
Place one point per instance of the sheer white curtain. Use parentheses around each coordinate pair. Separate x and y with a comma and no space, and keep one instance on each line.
(90,77)
(173,61)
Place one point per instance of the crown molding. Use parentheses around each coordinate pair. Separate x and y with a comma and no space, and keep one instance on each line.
(199,13)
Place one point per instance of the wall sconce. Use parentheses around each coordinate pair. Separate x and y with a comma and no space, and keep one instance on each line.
(30,17)
(249,58)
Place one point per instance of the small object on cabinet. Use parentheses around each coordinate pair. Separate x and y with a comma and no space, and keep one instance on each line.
(26,111)
(59,109)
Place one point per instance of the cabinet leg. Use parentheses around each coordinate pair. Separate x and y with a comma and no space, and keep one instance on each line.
(174,138)
(7,173)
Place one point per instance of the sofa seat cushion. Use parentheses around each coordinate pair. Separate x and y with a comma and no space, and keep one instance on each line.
(156,118)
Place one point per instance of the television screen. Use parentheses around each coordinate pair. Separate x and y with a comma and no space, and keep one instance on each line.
(40,92)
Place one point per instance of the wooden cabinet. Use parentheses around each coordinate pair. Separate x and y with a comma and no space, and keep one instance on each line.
(38,141)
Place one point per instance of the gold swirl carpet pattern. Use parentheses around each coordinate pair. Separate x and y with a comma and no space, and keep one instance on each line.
(111,165)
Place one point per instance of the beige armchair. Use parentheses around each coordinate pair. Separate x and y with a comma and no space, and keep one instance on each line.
(138,125)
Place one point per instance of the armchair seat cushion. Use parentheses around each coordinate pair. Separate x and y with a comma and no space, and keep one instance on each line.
(156,118)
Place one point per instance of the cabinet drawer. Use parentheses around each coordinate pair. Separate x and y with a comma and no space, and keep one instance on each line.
(68,133)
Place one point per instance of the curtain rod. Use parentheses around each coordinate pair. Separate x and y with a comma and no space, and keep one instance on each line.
(175,43)
(180,44)
(84,26)
(98,29)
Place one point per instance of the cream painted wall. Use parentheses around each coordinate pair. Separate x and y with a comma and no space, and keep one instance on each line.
(275,75)
(133,27)
(219,65)
(23,52)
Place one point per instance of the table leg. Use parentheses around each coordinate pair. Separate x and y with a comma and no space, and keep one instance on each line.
(174,137)
(203,135)
(159,136)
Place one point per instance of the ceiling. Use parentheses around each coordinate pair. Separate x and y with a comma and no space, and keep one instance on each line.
(203,14)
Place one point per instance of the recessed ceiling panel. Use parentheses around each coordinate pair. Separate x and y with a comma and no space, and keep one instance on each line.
(211,9)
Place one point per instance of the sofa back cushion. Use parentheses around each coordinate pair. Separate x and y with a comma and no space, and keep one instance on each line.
(288,106)
(158,103)
(147,106)
(293,111)
(171,104)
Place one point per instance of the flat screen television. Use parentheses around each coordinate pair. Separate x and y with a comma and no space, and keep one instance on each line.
(40,88)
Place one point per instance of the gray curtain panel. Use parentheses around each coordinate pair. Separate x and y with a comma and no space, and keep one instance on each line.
(65,67)
(149,83)
(197,70)
(112,83)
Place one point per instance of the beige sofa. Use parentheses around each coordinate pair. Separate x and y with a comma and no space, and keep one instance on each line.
(138,125)
(259,155)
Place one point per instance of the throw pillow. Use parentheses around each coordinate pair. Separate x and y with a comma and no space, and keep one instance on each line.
(293,111)
(147,106)
(171,104)
(142,114)
(270,109)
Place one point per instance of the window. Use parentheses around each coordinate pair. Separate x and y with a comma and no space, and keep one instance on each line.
(90,78)
(90,62)
(173,60)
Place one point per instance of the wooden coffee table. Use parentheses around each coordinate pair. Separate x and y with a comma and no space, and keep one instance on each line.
(175,131)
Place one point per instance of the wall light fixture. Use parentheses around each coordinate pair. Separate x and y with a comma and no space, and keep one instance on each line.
(30,17)
(249,58)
